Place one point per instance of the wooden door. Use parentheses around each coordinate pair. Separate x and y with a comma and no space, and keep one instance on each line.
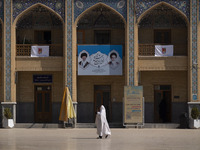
(43,104)
(102,97)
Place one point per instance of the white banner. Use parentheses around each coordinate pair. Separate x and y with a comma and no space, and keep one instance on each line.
(164,50)
(39,51)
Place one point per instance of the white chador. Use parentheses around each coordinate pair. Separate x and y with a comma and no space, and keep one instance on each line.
(101,123)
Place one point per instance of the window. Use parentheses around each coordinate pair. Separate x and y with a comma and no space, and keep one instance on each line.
(102,37)
(162,36)
(42,37)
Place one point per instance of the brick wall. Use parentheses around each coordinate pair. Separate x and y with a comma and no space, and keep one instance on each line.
(25,86)
(86,87)
(177,79)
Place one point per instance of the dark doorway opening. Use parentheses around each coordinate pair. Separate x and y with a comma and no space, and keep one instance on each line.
(102,97)
(162,103)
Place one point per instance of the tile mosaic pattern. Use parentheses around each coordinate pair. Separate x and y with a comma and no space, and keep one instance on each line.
(131,42)
(82,5)
(21,5)
(69,45)
(143,5)
(194,48)
(8,50)
(1,9)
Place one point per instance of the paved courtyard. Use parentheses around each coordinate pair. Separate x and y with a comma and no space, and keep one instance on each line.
(85,139)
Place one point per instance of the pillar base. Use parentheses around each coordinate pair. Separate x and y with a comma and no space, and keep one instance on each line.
(12,106)
(191,105)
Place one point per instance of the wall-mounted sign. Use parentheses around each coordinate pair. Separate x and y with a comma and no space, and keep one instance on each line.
(100,60)
(42,78)
(133,105)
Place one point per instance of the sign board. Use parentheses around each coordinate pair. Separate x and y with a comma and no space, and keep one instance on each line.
(133,105)
(42,78)
(100,59)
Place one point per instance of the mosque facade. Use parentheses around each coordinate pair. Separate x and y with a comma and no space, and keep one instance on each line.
(156,40)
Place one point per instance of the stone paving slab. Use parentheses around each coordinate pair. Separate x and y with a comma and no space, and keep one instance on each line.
(85,139)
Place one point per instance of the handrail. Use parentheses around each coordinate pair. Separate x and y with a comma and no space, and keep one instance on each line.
(149,49)
(25,49)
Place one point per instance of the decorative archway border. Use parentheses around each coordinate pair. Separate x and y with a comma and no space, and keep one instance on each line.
(167,4)
(142,6)
(96,5)
(19,6)
(81,6)
(33,6)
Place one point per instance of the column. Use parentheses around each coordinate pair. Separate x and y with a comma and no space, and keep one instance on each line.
(9,88)
(193,54)
(130,31)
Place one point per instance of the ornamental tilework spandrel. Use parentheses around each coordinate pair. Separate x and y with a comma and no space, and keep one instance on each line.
(1,10)
(82,5)
(69,45)
(21,5)
(143,5)
(8,50)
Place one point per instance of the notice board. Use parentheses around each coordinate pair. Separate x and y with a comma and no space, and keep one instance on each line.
(133,105)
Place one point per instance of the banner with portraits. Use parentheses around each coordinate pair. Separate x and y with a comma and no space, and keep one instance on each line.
(100,59)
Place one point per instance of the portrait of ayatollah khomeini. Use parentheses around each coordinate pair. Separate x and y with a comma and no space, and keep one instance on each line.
(84,63)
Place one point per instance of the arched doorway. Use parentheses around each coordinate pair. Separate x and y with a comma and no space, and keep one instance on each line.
(39,90)
(100,25)
(163,25)
(39,26)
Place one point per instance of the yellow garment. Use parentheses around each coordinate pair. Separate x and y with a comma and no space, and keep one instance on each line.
(70,108)
(67,109)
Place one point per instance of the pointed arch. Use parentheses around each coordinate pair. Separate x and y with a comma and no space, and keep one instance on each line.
(34,6)
(96,5)
(166,4)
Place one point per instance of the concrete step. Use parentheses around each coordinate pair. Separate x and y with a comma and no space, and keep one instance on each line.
(92,125)
(119,125)
(38,125)
(162,125)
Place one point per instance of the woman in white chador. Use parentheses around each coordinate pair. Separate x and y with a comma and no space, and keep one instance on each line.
(102,123)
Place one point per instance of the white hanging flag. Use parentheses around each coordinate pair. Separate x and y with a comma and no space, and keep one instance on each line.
(164,50)
(39,51)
